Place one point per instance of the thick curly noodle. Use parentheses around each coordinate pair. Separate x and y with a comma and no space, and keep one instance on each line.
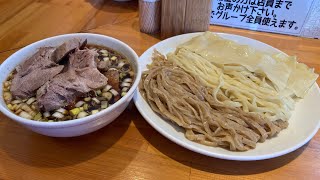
(182,98)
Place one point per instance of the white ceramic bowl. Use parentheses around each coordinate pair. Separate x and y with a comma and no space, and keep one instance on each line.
(79,126)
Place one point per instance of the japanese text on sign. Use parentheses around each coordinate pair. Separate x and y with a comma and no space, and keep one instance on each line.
(269,15)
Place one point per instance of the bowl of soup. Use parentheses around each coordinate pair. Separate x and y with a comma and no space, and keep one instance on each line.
(69,85)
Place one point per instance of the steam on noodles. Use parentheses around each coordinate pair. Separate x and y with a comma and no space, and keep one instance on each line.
(233,103)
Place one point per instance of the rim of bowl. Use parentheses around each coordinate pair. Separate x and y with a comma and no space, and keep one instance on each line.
(86,119)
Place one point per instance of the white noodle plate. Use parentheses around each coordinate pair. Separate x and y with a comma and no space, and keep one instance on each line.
(303,124)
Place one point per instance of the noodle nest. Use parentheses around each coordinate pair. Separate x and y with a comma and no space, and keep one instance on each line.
(182,98)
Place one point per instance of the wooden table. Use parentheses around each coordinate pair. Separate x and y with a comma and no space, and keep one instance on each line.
(129,148)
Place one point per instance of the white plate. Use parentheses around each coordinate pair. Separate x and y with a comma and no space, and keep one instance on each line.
(303,124)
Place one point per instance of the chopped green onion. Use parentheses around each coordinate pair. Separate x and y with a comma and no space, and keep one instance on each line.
(96,100)
(79,104)
(58,115)
(94,111)
(62,111)
(121,64)
(122,75)
(113,58)
(10,106)
(128,80)
(46,114)
(107,88)
(125,84)
(125,89)
(98,92)
(114,92)
(107,95)
(103,51)
(85,107)
(104,104)
(33,106)
(37,116)
(82,114)
(25,115)
(27,108)
(75,111)
(18,111)
(17,101)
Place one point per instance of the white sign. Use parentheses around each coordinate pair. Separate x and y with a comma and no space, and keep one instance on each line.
(280,16)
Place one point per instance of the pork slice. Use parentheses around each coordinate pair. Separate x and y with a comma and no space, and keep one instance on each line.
(83,58)
(26,86)
(41,67)
(65,48)
(41,59)
(61,91)
(103,65)
(81,77)
(92,77)
(34,72)
(70,80)
(46,97)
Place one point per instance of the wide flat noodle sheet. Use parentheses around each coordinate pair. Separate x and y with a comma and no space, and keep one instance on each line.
(287,75)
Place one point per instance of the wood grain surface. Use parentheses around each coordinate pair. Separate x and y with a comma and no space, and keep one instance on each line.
(197,17)
(128,148)
(173,16)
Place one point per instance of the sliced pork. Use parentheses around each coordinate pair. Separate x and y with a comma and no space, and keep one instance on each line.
(40,68)
(34,72)
(66,48)
(81,77)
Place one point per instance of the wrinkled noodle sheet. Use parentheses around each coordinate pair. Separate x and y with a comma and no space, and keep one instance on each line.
(181,97)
